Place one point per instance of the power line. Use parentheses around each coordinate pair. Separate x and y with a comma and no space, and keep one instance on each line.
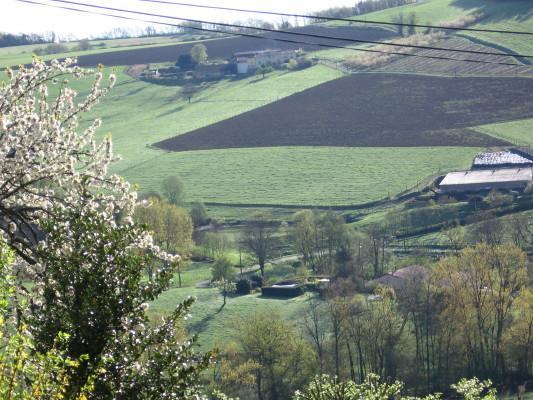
(330,46)
(300,34)
(318,17)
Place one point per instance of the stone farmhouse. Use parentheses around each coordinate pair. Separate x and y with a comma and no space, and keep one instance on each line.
(249,61)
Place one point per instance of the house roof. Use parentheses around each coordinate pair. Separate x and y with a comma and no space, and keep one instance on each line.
(488,176)
(400,277)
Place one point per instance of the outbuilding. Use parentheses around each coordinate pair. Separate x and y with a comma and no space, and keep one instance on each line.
(487,179)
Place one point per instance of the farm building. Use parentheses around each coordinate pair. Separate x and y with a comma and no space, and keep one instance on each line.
(486,179)
(399,279)
(501,159)
(248,61)
(209,71)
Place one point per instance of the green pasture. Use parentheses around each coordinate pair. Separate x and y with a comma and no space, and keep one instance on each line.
(519,132)
(218,326)
(299,175)
(503,15)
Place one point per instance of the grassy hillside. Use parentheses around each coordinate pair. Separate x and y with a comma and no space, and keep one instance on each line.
(215,326)
(299,176)
(139,114)
(518,132)
(497,14)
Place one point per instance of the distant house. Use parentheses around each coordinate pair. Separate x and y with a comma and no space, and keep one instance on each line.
(248,61)
(486,179)
(399,279)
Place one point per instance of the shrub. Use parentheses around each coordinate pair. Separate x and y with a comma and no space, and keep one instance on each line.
(243,287)
(55,48)
(256,281)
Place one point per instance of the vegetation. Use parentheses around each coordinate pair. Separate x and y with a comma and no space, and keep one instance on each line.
(199,53)
(87,271)
(508,15)
(516,132)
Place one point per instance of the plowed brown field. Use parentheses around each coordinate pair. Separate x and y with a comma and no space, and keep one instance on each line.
(373,110)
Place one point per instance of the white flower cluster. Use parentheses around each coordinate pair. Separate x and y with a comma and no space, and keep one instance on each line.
(47,163)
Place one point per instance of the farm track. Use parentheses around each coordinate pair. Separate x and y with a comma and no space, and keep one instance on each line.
(226,47)
(373,110)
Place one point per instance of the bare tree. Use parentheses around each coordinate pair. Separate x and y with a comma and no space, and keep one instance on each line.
(259,239)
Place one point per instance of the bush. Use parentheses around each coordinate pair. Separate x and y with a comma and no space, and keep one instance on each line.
(297,264)
(186,62)
(55,48)
(84,44)
(256,281)
(243,286)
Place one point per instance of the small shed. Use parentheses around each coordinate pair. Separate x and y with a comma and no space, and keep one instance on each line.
(487,179)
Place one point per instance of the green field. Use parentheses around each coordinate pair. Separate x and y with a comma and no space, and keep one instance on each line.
(217,326)
(300,175)
(504,15)
(518,132)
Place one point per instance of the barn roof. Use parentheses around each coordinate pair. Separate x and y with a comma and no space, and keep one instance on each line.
(488,176)
(499,158)
(400,277)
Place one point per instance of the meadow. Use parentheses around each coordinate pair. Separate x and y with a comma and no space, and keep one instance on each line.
(138,114)
(217,327)
(518,132)
(300,176)
(504,15)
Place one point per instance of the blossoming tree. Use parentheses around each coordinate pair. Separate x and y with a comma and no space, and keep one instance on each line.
(71,222)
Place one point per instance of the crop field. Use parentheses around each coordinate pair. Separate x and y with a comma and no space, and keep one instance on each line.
(517,132)
(504,15)
(457,68)
(373,110)
(300,176)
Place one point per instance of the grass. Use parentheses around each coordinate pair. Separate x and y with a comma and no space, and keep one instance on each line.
(216,327)
(518,132)
(193,273)
(300,175)
(503,15)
